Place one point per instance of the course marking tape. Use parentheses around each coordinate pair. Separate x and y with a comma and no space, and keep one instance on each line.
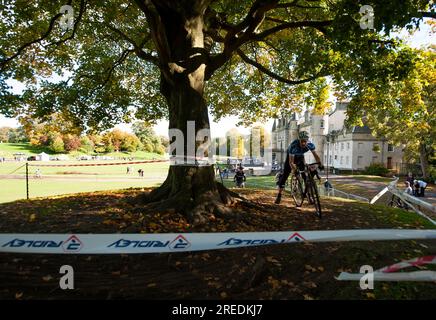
(174,242)
(95,164)
(349,195)
(383,276)
(379,195)
(390,273)
(410,263)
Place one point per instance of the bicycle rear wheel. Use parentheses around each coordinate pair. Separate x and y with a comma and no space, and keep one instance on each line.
(297,190)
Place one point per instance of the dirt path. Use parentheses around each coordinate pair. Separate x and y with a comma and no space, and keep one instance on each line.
(297,271)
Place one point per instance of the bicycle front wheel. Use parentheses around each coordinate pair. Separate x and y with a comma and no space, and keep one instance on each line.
(314,197)
(297,191)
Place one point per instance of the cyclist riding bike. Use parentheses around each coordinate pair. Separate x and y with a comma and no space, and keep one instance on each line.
(295,159)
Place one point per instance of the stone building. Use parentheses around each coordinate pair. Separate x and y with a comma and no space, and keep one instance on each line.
(349,149)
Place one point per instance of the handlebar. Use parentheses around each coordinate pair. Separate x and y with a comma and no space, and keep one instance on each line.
(311,164)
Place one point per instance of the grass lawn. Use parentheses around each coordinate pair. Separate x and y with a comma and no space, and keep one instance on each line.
(254,182)
(362,177)
(66,180)
(8,149)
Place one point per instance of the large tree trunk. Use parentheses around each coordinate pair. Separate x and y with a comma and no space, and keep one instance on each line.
(187,188)
(423,155)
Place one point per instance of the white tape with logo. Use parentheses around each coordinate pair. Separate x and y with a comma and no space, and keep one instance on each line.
(173,242)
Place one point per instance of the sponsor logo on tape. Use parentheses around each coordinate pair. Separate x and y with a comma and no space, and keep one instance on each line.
(180,242)
(72,244)
(124,243)
(296,237)
(19,243)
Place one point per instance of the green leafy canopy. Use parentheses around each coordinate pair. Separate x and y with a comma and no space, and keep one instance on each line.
(261,55)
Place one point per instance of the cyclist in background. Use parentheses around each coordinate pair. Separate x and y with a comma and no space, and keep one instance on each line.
(240,178)
(295,159)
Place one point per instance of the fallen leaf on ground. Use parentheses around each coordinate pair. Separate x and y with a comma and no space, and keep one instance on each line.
(47,278)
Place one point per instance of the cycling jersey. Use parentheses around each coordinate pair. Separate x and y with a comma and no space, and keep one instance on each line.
(295,148)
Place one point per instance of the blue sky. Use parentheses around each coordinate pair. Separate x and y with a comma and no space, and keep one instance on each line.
(421,38)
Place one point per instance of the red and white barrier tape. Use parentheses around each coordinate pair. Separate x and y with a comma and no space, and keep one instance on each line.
(95,164)
(390,273)
(409,263)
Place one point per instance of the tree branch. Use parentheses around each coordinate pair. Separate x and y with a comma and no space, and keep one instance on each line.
(137,49)
(157,29)
(428,14)
(319,25)
(4,62)
(273,75)
(82,10)
(220,59)
(158,35)
(110,70)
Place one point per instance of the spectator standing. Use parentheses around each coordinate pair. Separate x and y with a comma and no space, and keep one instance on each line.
(420,187)
(408,189)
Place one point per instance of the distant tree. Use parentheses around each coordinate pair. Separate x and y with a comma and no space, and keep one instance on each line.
(71,142)
(113,140)
(403,110)
(150,142)
(143,130)
(164,141)
(86,144)
(130,143)
(57,145)
(4,134)
(13,135)
(160,150)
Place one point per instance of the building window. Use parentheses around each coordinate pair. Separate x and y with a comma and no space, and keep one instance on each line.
(390,147)
(330,160)
(336,157)
(342,159)
(374,159)
(375,147)
(322,124)
(360,146)
(342,146)
(359,159)
(347,160)
(348,146)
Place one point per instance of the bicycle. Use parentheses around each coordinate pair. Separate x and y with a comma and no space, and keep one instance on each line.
(306,188)
(396,202)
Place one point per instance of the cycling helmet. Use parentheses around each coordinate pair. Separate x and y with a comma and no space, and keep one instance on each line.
(303,135)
